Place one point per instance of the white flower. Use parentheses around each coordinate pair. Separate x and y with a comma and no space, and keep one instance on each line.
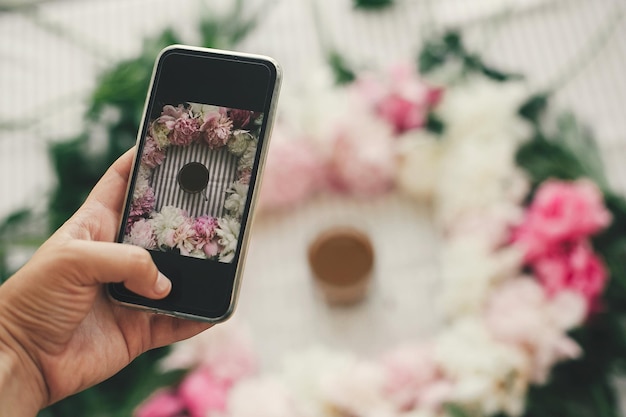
(260,397)
(228,233)
(418,168)
(359,390)
(166,223)
(484,110)
(236,201)
(247,159)
(476,177)
(306,374)
(470,269)
(487,376)
(202,110)
(142,183)
(239,141)
(478,170)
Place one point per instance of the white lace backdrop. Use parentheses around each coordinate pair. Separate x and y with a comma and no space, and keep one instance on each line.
(46,76)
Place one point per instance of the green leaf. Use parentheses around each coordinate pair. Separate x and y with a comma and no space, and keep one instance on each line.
(534,108)
(455,410)
(372,4)
(434,124)
(343,73)
(543,159)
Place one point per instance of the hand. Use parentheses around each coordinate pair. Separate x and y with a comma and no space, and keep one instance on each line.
(59,332)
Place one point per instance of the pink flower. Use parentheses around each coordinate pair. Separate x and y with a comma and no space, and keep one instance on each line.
(520,313)
(561,211)
(217,128)
(245,175)
(403,100)
(140,208)
(362,164)
(184,130)
(413,378)
(163,403)
(293,173)
(142,234)
(152,155)
(241,118)
(202,393)
(184,237)
(226,351)
(206,239)
(572,266)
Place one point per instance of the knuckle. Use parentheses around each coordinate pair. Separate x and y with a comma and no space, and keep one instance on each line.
(141,261)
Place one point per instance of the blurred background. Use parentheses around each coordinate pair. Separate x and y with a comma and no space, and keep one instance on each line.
(73,77)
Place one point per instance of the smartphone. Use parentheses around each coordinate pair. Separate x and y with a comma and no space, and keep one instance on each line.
(201,149)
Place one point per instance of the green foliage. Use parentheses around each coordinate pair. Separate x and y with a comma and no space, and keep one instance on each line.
(372,4)
(343,73)
(434,124)
(534,108)
(450,48)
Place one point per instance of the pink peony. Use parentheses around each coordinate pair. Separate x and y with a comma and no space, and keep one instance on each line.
(572,266)
(206,239)
(413,378)
(142,234)
(294,172)
(226,351)
(520,313)
(244,176)
(216,128)
(152,155)
(184,237)
(202,393)
(362,164)
(184,130)
(561,211)
(403,100)
(241,118)
(140,208)
(163,403)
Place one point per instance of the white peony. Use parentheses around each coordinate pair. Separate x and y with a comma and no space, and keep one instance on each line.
(359,390)
(487,376)
(419,164)
(247,159)
(476,177)
(239,142)
(470,269)
(306,374)
(142,183)
(228,233)
(484,109)
(236,200)
(166,223)
(260,397)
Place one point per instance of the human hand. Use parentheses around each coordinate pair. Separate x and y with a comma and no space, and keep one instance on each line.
(59,332)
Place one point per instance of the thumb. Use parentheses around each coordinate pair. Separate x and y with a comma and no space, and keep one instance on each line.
(95,263)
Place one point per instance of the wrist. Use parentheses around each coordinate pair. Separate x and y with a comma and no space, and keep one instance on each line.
(23,390)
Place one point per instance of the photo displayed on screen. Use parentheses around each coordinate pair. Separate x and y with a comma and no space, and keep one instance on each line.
(193,181)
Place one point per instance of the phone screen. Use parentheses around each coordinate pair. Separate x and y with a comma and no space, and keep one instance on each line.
(201,144)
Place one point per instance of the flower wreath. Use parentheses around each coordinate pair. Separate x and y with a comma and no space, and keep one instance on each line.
(531,236)
(171,229)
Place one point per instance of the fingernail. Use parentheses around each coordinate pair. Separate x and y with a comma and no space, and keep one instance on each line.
(162,284)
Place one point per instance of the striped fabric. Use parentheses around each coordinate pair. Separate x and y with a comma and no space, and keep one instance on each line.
(222,168)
